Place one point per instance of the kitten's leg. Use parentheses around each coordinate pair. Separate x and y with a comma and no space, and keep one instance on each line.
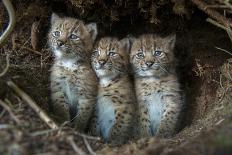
(94,127)
(84,113)
(60,107)
(170,116)
(122,129)
(144,122)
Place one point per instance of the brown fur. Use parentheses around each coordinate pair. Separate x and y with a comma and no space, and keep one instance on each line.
(73,82)
(115,105)
(156,85)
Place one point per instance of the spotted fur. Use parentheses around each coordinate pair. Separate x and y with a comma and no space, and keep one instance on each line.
(115,102)
(73,82)
(156,85)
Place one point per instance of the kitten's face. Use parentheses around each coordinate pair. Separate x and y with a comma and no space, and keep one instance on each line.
(152,55)
(110,57)
(69,37)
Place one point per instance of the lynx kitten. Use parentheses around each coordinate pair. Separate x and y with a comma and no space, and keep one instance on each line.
(115,103)
(156,85)
(73,82)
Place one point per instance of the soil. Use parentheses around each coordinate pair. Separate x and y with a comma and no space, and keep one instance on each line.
(204,71)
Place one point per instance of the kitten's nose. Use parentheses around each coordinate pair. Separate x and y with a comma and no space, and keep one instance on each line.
(60,43)
(149,63)
(101,62)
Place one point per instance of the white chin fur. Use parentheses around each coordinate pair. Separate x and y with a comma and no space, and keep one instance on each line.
(57,53)
(146,73)
(105,81)
(100,73)
(68,63)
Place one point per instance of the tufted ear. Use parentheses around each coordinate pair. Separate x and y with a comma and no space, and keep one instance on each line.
(125,42)
(171,39)
(92,28)
(54,18)
(131,38)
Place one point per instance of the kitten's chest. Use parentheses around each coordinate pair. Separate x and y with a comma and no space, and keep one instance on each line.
(149,89)
(150,93)
(69,71)
(106,115)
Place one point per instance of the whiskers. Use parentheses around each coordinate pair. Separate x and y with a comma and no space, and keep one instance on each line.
(163,68)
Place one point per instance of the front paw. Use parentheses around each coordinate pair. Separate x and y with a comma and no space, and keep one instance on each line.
(61,113)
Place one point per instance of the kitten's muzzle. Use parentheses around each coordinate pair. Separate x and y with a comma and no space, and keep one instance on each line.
(60,43)
(149,63)
(102,62)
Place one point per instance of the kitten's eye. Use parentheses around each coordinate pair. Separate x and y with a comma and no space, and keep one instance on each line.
(158,53)
(74,37)
(56,33)
(96,53)
(112,54)
(140,55)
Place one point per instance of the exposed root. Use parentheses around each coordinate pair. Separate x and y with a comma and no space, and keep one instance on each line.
(89,147)
(213,14)
(11,25)
(51,123)
(228,30)
(33,105)
(7,65)
(78,150)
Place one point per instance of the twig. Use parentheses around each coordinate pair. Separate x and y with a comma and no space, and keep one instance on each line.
(223,50)
(7,66)
(218,6)
(87,136)
(215,15)
(5,106)
(216,24)
(43,132)
(220,79)
(227,4)
(219,122)
(33,105)
(2,113)
(74,146)
(228,30)
(31,50)
(89,148)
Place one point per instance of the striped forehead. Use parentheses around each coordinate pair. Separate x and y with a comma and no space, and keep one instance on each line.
(106,44)
(147,43)
(69,25)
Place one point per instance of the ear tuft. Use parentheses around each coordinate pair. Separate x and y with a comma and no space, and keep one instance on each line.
(92,29)
(125,42)
(171,40)
(54,18)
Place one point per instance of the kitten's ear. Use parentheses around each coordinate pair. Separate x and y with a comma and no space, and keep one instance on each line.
(54,18)
(125,42)
(92,29)
(171,40)
(132,39)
